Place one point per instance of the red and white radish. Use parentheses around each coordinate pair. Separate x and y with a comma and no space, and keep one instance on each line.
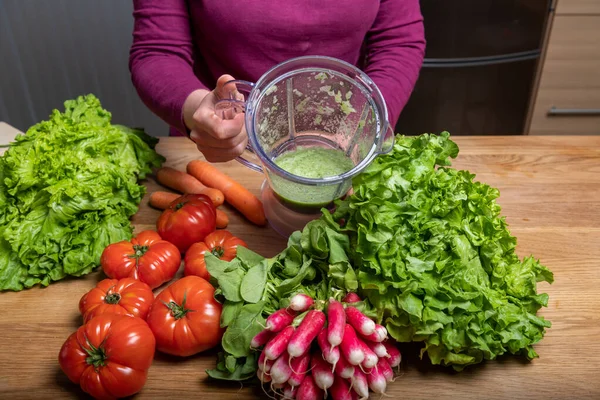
(278,344)
(384,367)
(340,390)
(378,348)
(281,371)
(308,330)
(395,357)
(264,364)
(289,392)
(350,347)
(344,369)
(263,376)
(330,354)
(360,383)
(353,353)
(336,320)
(261,338)
(350,298)
(371,358)
(377,382)
(301,302)
(309,390)
(321,372)
(379,335)
(280,319)
(299,367)
(363,324)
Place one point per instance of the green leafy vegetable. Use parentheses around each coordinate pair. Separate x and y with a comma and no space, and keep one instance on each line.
(67,189)
(244,368)
(230,312)
(435,258)
(248,322)
(266,285)
(426,246)
(253,283)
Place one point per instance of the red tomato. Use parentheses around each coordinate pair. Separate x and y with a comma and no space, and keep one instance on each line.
(126,296)
(187,220)
(146,257)
(220,243)
(109,356)
(185,318)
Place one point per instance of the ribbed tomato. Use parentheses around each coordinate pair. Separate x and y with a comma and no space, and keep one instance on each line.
(221,243)
(185,317)
(125,296)
(188,220)
(109,356)
(146,257)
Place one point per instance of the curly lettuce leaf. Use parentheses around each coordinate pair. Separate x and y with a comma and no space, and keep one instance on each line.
(436,259)
(67,189)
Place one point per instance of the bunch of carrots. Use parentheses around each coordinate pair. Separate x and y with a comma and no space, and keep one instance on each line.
(203,178)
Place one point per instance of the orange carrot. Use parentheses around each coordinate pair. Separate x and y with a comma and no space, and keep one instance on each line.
(222,219)
(185,183)
(161,200)
(235,194)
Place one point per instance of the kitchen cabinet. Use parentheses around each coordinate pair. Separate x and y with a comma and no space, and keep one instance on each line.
(565,7)
(567,99)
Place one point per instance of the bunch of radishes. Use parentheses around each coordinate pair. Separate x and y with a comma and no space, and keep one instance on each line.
(308,354)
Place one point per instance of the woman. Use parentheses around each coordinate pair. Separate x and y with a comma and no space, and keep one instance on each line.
(182,49)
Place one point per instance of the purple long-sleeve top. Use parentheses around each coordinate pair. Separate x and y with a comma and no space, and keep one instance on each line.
(180,46)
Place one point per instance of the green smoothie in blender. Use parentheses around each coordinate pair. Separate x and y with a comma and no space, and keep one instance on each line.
(315,163)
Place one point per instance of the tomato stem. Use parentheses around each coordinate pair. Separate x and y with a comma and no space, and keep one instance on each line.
(96,355)
(179,205)
(112,298)
(139,251)
(178,311)
(218,251)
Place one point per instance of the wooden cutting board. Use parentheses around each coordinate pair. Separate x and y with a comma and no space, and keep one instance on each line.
(550,195)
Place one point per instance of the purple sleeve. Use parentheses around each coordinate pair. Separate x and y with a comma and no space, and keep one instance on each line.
(161,60)
(395,48)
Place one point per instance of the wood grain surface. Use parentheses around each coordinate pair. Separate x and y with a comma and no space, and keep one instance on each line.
(550,193)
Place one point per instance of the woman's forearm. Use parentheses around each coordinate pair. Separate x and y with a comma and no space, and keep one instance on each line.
(395,51)
(161,61)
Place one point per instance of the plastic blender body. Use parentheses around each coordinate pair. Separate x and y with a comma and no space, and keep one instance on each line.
(311,102)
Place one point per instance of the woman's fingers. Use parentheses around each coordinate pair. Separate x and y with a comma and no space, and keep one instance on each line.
(219,133)
(207,140)
(225,89)
(218,154)
(208,121)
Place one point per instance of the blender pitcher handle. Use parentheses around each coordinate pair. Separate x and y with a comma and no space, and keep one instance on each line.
(235,104)
(386,143)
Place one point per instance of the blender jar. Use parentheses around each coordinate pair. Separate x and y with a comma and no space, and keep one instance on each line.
(319,115)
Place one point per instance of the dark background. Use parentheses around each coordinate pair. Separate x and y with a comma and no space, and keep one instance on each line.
(477,79)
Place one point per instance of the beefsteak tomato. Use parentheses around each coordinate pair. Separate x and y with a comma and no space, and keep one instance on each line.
(109,356)
(221,243)
(125,296)
(146,257)
(185,317)
(187,220)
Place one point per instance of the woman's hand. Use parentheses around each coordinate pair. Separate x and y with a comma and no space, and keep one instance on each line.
(218,139)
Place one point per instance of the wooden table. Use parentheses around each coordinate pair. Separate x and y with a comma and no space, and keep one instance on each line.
(550,193)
